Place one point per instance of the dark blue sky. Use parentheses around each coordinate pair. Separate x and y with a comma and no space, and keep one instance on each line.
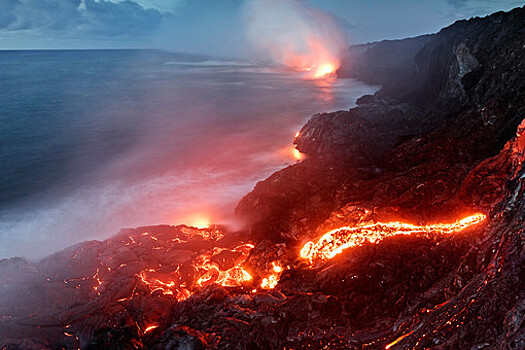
(210,26)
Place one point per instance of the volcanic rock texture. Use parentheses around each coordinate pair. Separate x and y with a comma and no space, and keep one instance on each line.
(443,139)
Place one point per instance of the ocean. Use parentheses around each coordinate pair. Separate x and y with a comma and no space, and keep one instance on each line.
(92,141)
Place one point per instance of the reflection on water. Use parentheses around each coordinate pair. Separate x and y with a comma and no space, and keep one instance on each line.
(327,87)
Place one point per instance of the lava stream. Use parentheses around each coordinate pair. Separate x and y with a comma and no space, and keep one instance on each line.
(334,242)
(271,280)
(208,269)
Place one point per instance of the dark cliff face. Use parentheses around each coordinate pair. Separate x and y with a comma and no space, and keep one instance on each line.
(383,63)
(473,62)
(445,143)
(470,62)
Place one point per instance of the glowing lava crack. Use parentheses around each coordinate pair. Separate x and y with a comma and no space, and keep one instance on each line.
(207,270)
(335,241)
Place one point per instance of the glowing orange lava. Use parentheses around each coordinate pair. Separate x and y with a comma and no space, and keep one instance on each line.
(200,221)
(317,62)
(334,242)
(225,266)
(291,153)
(150,328)
(297,155)
(171,286)
(221,266)
(324,69)
(271,281)
(317,70)
(210,270)
(398,340)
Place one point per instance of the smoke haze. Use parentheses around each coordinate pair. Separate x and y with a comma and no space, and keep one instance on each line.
(293,34)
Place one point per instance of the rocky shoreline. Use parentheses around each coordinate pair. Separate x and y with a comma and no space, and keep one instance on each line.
(443,138)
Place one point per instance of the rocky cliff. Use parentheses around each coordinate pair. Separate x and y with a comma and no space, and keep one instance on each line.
(384,62)
(446,142)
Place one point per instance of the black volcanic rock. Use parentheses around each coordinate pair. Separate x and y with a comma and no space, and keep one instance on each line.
(473,62)
(383,62)
(358,137)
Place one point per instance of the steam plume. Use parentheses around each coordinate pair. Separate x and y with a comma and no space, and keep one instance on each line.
(291,33)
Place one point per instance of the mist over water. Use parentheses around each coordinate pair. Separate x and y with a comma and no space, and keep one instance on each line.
(94,141)
(294,34)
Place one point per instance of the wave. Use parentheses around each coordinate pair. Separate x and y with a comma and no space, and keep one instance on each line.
(211,63)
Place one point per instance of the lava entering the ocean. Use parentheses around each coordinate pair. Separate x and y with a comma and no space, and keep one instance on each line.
(324,69)
(296,35)
(334,242)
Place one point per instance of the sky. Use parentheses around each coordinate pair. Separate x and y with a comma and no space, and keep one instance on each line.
(211,26)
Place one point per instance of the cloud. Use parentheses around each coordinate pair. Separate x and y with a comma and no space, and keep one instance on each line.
(163,5)
(345,23)
(101,17)
(51,14)
(484,5)
(457,3)
(7,15)
(462,9)
(126,17)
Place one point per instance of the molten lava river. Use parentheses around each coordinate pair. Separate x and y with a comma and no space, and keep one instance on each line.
(335,241)
(226,266)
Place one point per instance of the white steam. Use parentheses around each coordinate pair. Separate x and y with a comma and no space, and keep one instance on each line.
(291,33)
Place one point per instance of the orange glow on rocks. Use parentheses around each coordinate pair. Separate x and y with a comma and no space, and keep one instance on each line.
(334,242)
(200,221)
(298,156)
(291,153)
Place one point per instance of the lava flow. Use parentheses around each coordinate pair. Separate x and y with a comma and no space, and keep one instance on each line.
(271,281)
(221,266)
(326,67)
(334,242)
(210,269)
(224,266)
